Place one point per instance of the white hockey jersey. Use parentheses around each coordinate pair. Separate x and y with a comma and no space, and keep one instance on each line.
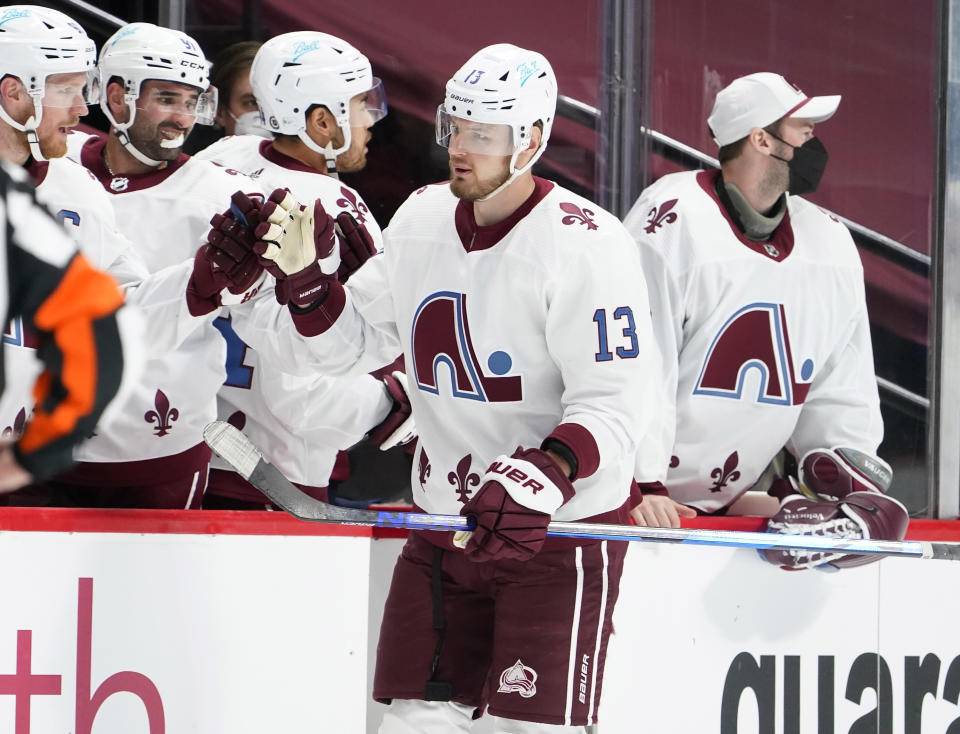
(37,266)
(75,197)
(765,345)
(300,422)
(166,214)
(533,327)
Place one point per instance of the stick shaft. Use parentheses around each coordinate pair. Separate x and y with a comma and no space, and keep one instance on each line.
(240,453)
(726,538)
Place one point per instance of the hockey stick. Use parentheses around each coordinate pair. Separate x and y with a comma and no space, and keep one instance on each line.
(237,450)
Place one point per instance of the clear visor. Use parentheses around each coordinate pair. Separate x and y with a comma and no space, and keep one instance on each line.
(467,136)
(165,102)
(72,90)
(369,107)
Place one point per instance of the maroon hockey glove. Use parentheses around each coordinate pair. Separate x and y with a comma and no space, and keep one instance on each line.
(398,428)
(356,245)
(231,239)
(859,515)
(858,481)
(832,474)
(227,260)
(517,496)
(298,246)
(205,284)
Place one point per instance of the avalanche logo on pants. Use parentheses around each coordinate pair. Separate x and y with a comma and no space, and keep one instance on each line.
(518,678)
(754,338)
(441,336)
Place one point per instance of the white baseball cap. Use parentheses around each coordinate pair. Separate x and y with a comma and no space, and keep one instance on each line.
(756,100)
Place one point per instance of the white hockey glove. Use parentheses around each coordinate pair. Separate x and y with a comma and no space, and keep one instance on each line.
(298,245)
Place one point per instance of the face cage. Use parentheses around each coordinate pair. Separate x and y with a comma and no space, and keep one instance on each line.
(479,138)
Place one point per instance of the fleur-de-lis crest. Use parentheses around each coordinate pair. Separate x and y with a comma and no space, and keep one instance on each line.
(423,468)
(14,432)
(163,415)
(463,479)
(355,205)
(727,474)
(661,216)
(576,215)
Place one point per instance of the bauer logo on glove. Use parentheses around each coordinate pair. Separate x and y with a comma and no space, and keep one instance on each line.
(517,496)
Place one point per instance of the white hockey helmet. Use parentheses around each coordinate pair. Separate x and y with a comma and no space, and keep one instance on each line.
(502,85)
(38,42)
(139,52)
(294,71)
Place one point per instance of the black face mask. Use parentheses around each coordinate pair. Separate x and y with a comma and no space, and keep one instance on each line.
(806,167)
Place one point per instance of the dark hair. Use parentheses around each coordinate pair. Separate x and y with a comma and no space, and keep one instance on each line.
(731,150)
(229,64)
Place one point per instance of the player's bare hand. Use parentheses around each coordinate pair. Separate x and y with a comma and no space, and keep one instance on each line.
(658,511)
(12,475)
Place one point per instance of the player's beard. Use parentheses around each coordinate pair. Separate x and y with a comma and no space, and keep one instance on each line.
(145,137)
(354,158)
(53,146)
(478,187)
(775,179)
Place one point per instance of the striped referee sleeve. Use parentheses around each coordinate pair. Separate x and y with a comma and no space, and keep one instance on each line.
(72,307)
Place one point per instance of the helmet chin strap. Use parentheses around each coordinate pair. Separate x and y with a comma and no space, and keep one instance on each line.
(514,172)
(33,140)
(29,127)
(328,151)
(331,157)
(125,141)
(120,132)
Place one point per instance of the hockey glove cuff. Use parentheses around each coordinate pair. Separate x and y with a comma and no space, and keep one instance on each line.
(398,428)
(517,496)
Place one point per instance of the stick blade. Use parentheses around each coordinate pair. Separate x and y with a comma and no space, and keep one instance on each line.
(238,451)
(233,447)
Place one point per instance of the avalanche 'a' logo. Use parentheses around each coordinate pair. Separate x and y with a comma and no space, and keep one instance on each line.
(754,338)
(440,336)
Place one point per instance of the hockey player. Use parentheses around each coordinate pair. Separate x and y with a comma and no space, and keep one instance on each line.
(50,78)
(521,310)
(322,109)
(759,309)
(154,88)
(73,309)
